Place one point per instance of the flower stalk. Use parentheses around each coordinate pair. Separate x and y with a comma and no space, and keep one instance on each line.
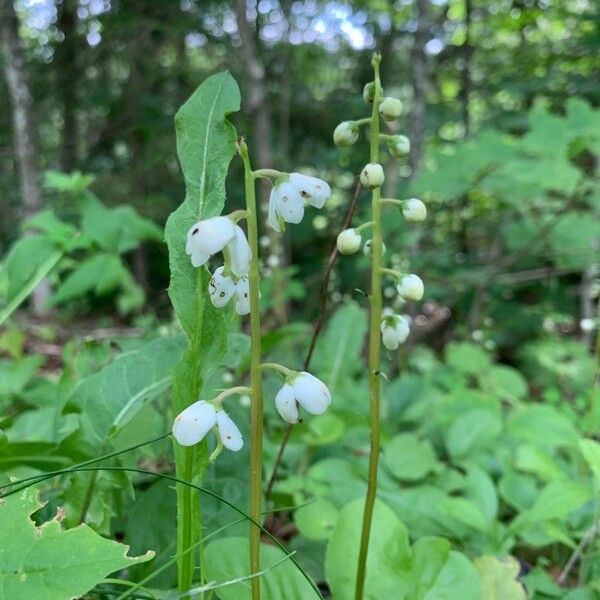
(374,340)
(256,407)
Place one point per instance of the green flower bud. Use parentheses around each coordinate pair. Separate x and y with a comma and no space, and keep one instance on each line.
(390,108)
(399,146)
(345,134)
(369,244)
(414,210)
(348,241)
(372,176)
(369,92)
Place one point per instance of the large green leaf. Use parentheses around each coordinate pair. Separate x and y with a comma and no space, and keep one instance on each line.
(49,562)
(499,578)
(410,458)
(228,559)
(111,398)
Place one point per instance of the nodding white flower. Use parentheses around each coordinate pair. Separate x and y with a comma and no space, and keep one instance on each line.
(390,108)
(212,235)
(411,287)
(242,297)
(192,424)
(369,245)
(414,210)
(220,288)
(286,202)
(372,175)
(399,146)
(314,190)
(394,331)
(229,433)
(348,241)
(369,92)
(304,389)
(345,134)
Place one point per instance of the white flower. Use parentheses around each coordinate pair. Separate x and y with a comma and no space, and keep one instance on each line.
(399,146)
(345,134)
(372,175)
(210,236)
(411,287)
(414,210)
(314,190)
(305,389)
(369,244)
(390,108)
(394,331)
(228,432)
(348,241)
(242,297)
(220,288)
(192,424)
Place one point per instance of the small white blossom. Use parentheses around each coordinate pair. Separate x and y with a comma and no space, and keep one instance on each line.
(192,424)
(314,190)
(394,331)
(242,297)
(210,236)
(411,288)
(399,146)
(345,134)
(286,405)
(228,432)
(220,288)
(414,210)
(368,246)
(304,389)
(372,175)
(348,241)
(390,108)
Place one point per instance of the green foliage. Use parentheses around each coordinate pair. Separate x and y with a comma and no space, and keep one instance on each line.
(49,562)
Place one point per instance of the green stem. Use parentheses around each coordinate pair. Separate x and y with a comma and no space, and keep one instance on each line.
(263,173)
(256,409)
(364,226)
(278,368)
(393,202)
(374,344)
(392,273)
(365,121)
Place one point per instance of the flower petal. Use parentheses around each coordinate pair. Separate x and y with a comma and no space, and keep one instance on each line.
(242,294)
(311,393)
(210,235)
(288,202)
(286,405)
(239,251)
(272,220)
(231,436)
(198,258)
(192,424)
(314,190)
(220,288)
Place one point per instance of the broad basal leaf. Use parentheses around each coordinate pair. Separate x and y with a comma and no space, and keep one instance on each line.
(49,562)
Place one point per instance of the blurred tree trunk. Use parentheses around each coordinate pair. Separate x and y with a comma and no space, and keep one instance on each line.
(17,79)
(66,62)
(257,106)
(419,78)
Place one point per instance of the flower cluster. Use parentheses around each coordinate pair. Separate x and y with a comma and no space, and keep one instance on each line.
(395,328)
(288,196)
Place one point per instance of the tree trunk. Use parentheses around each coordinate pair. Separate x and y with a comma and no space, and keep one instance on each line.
(419,77)
(257,106)
(25,141)
(67,76)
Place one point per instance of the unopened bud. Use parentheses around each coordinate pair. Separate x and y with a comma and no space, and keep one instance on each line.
(345,134)
(368,247)
(411,288)
(372,175)
(414,210)
(390,108)
(348,241)
(369,92)
(399,146)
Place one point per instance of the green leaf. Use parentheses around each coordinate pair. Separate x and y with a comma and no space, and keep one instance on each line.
(543,426)
(457,579)
(466,512)
(429,555)
(499,578)
(472,431)
(111,398)
(591,452)
(409,458)
(317,519)
(228,559)
(49,562)
(467,358)
(388,561)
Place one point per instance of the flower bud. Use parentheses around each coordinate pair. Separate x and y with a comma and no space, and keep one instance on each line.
(229,432)
(369,92)
(399,146)
(345,134)
(372,175)
(414,210)
(368,245)
(394,331)
(286,405)
(390,108)
(348,241)
(411,288)
(192,424)
(220,288)
(311,393)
